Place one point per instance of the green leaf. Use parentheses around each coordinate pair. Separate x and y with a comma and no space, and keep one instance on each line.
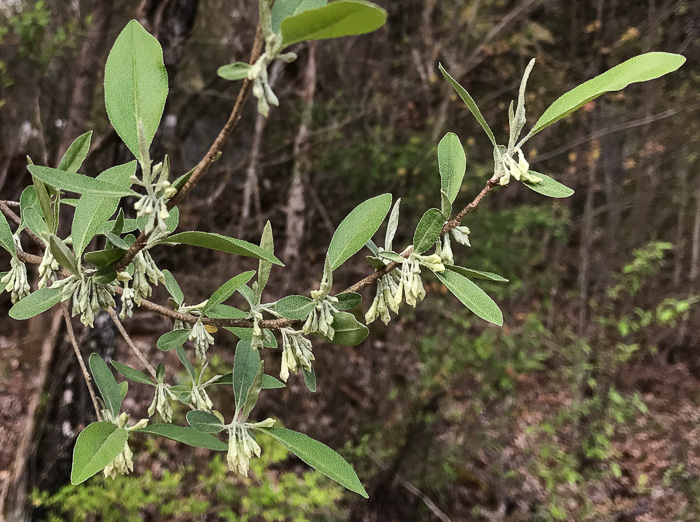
(72,182)
(104,257)
(173,339)
(271,383)
(44,199)
(93,210)
(310,379)
(452,162)
(28,199)
(264,267)
(227,290)
(186,435)
(246,363)
(286,8)
(348,300)
(318,456)
(32,218)
(471,296)
(428,230)
(223,244)
(471,104)
(173,287)
(348,331)
(391,256)
(246,334)
(357,228)
(234,71)
(171,222)
(136,85)
(390,229)
(343,18)
(204,421)
(77,152)
(132,374)
(123,390)
(477,274)
(445,205)
(222,311)
(106,383)
(36,303)
(641,68)
(6,240)
(251,398)
(186,362)
(295,307)
(96,447)
(105,275)
(116,240)
(548,186)
(63,254)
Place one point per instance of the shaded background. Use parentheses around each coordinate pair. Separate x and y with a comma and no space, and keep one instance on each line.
(584,406)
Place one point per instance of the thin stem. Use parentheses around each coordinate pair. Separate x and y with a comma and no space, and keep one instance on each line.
(81,362)
(210,157)
(131,343)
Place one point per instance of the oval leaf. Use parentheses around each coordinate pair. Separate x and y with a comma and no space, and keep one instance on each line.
(186,435)
(318,456)
(96,447)
(286,8)
(428,230)
(246,363)
(548,186)
(348,330)
(234,71)
(205,421)
(472,296)
(452,162)
(343,18)
(173,287)
(136,85)
(77,152)
(36,303)
(357,228)
(132,374)
(172,340)
(348,300)
(295,307)
(223,244)
(641,68)
(106,383)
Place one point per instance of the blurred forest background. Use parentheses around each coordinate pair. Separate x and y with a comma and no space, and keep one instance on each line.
(584,406)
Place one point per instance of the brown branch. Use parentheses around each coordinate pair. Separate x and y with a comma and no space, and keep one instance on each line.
(130,343)
(81,362)
(210,157)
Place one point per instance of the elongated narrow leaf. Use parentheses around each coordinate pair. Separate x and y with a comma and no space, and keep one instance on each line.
(222,311)
(42,195)
(136,85)
(185,361)
(251,397)
(28,199)
(348,300)
(295,307)
(445,205)
(93,211)
(96,447)
(477,274)
(472,296)
(227,290)
(641,68)
(342,18)
(6,240)
(452,162)
(63,254)
(72,182)
(246,334)
(264,267)
(104,257)
(390,229)
(32,218)
(36,303)
(357,228)
(471,104)
(77,152)
(268,381)
(548,186)
(310,379)
(234,71)
(116,241)
(123,390)
(173,287)
(132,374)
(391,256)
(204,421)
(173,339)
(186,435)
(246,363)
(286,8)
(428,230)
(223,244)
(109,389)
(318,456)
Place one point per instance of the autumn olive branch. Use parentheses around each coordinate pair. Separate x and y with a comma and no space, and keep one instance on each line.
(272,324)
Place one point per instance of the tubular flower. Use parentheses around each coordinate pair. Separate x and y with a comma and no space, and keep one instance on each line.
(202,340)
(145,270)
(47,267)
(461,235)
(296,353)
(242,445)
(320,319)
(123,463)
(200,399)
(507,167)
(87,296)
(444,250)
(257,340)
(15,281)
(385,299)
(160,402)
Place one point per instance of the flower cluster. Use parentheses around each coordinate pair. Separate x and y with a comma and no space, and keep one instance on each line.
(88,296)
(161,404)
(154,204)
(200,398)
(385,300)
(320,319)
(202,340)
(123,463)
(296,352)
(242,445)
(145,270)
(47,267)
(444,245)
(15,281)
(258,338)
(507,167)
